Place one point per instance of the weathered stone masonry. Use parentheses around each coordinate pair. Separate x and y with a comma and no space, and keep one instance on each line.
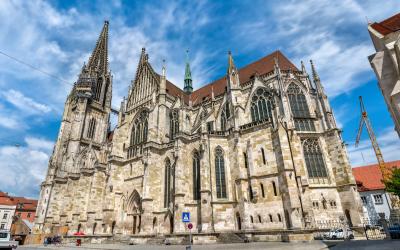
(258,149)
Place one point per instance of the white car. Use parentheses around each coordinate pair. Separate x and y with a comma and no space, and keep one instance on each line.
(339,233)
(5,242)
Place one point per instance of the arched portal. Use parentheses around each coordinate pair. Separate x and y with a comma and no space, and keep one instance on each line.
(134,208)
(238,221)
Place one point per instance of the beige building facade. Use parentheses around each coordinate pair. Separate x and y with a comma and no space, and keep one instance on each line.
(257,150)
(385,36)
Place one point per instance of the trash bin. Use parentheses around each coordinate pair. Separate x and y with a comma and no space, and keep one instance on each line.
(78,242)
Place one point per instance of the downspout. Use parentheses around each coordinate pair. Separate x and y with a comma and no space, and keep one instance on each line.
(211,186)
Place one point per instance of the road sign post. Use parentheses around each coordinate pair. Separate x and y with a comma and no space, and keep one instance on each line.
(186,219)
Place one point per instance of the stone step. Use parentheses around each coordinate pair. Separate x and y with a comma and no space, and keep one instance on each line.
(230,238)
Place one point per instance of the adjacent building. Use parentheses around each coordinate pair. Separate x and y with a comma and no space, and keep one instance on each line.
(256,150)
(7,211)
(372,191)
(385,36)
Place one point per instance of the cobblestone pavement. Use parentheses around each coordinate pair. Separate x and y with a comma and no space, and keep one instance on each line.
(314,245)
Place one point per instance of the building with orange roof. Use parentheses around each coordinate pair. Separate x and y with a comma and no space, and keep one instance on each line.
(386,62)
(372,190)
(257,150)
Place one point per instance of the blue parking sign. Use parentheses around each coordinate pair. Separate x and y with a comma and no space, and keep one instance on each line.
(185,217)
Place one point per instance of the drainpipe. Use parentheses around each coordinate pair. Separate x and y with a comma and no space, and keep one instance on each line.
(211,186)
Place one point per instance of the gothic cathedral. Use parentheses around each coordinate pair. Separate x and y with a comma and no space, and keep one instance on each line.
(256,150)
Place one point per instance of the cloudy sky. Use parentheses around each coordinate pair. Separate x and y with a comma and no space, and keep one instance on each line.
(58,36)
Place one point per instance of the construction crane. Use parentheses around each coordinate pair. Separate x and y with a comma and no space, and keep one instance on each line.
(386,174)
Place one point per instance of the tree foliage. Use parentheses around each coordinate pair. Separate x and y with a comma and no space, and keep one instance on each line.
(393,184)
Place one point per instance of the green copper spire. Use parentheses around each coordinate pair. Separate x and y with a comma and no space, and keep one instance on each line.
(188,88)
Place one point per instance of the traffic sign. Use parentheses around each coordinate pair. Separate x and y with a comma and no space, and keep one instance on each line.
(190,225)
(185,217)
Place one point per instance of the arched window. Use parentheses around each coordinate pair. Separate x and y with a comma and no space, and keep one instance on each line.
(261,106)
(225,115)
(314,160)
(259,218)
(251,219)
(263,155)
(220,173)
(299,107)
(279,218)
(173,124)
(274,188)
(167,183)
(196,176)
(91,128)
(270,218)
(262,190)
(138,133)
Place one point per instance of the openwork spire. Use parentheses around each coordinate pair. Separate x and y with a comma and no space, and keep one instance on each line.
(188,87)
(99,59)
(231,63)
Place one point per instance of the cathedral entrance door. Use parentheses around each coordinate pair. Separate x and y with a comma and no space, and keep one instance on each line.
(239,221)
(134,224)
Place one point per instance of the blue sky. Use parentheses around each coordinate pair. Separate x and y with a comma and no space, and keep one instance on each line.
(58,36)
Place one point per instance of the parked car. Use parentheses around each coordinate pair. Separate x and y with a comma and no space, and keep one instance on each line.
(339,233)
(5,242)
(394,231)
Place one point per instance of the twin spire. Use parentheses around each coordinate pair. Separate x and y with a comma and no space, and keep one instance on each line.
(98,61)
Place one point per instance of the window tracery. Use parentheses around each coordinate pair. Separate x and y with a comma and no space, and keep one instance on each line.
(300,110)
(261,105)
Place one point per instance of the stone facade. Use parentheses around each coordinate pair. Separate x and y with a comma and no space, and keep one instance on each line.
(256,150)
(385,63)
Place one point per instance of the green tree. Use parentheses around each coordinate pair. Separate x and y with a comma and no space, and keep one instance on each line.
(393,184)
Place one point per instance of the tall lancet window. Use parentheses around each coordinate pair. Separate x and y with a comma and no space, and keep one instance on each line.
(138,133)
(220,173)
(225,115)
(314,160)
(91,128)
(299,107)
(167,183)
(173,124)
(261,106)
(196,176)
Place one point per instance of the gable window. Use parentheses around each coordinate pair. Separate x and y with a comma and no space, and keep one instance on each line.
(314,159)
(196,176)
(167,183)
(91,128)
(225,114)
(220,173)
(261,106)
(378,199)
(138,134)
(173,124)
(5,216)
(299,107)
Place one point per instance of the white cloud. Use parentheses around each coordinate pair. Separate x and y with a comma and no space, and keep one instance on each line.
(24,103)
(389,144)
(23,168)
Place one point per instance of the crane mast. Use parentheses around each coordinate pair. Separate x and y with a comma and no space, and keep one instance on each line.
(386,174)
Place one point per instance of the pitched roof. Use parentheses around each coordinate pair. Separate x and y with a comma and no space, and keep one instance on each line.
(370,177)
(387,26)
(261,66)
